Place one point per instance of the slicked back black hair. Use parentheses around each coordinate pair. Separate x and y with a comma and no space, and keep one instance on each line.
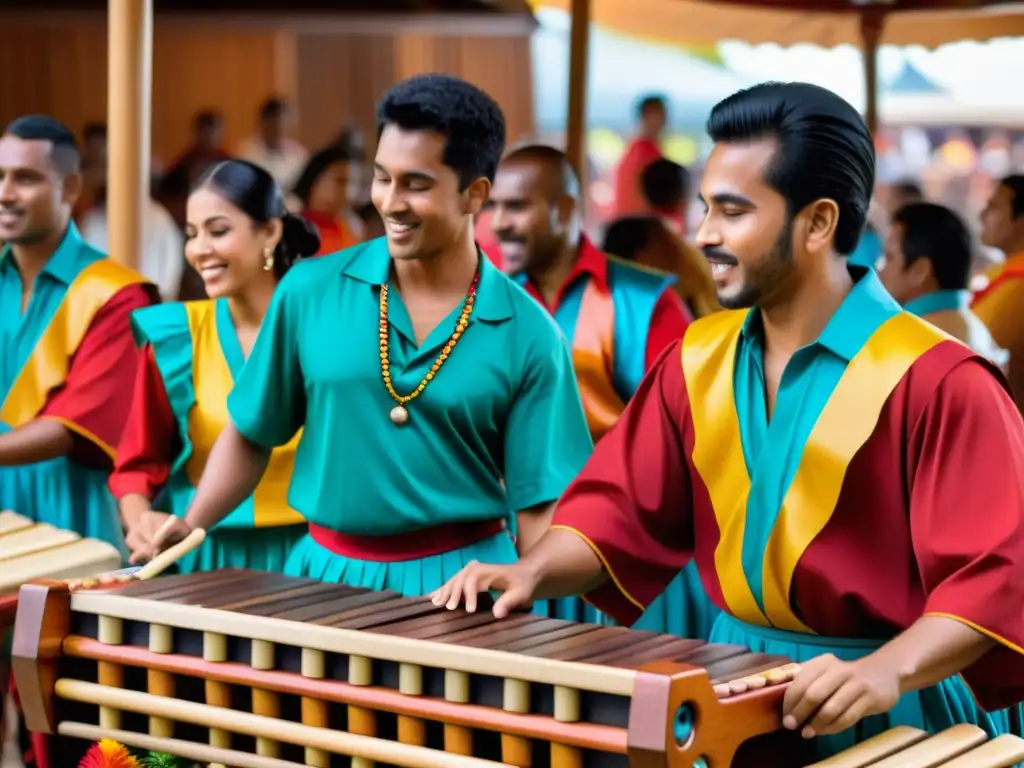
(66,157)
(825,148)
(470,120)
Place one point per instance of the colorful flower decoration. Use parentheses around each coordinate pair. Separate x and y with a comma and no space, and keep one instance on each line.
(108,753)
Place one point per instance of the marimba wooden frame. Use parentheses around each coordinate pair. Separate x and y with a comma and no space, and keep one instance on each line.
(658,692)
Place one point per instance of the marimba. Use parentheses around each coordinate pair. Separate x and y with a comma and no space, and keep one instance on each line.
(31,550)
(962,746)
(259,670)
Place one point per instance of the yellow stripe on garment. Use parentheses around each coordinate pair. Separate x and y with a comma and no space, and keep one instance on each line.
(844,426)
(47,367)
(708,360)
(212,380)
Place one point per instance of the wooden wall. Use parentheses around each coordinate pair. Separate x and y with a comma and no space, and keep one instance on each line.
(60,68)
(342,77)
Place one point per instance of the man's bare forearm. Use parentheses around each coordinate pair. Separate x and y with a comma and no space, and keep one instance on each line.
(233,470)
(39,440)
(564,565)
(930,650)
(531,525)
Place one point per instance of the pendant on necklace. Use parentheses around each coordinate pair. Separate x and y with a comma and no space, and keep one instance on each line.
(399,415)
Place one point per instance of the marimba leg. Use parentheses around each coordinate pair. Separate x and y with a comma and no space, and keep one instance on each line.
(411,730)
(264,702)
(315,712)
(361,721)
(111,632)
(457,738)
(161,640)
(567,710)
(218,694)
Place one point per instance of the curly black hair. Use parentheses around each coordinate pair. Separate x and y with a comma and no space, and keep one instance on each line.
(470,120)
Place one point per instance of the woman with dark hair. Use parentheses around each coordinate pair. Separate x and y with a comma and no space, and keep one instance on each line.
(647,241)
(241,242)
(323,190)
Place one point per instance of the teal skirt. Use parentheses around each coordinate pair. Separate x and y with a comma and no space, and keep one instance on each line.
(411,578)
(66,495)
(931,709)
(683,609)
(257,549)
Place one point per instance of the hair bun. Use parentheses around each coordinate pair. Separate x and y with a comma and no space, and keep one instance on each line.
(299,237)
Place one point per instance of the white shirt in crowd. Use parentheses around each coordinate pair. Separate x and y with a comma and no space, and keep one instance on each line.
(284,164)
(163,252)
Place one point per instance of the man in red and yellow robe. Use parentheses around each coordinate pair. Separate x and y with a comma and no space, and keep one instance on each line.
(848,479)
(67,355)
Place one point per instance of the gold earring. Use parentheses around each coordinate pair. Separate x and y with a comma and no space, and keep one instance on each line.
(268,258)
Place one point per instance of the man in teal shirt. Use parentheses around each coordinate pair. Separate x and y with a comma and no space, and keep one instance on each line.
(927,267)
(437,400)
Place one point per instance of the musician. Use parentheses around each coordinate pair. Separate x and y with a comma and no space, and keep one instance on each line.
(618,318)
(241,241)
(927,266)
(437,400)
(847,479)
(66,352)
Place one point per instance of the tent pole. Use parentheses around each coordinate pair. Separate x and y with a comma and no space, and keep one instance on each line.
(871,24)
(579,44)
(129,79)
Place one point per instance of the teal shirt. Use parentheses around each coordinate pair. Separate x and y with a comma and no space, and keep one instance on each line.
(500,428)
(938,301)
(772,450)
(19,332)
(61,492)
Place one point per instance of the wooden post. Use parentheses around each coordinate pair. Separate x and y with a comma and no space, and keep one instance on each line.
(871,24)
(129,78)
(579,46)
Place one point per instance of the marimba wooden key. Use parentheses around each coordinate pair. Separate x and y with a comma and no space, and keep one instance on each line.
(962,746)
(266,663)
(31,550)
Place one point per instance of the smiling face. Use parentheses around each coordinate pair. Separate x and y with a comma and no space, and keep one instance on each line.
(35,200)
(225,246)
(528,221)
(418,196)
(746,233)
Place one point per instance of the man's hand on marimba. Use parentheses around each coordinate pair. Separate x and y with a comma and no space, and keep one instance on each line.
(516,583)
(829,695)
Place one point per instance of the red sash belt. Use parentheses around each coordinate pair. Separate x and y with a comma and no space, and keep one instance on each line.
(413,545)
